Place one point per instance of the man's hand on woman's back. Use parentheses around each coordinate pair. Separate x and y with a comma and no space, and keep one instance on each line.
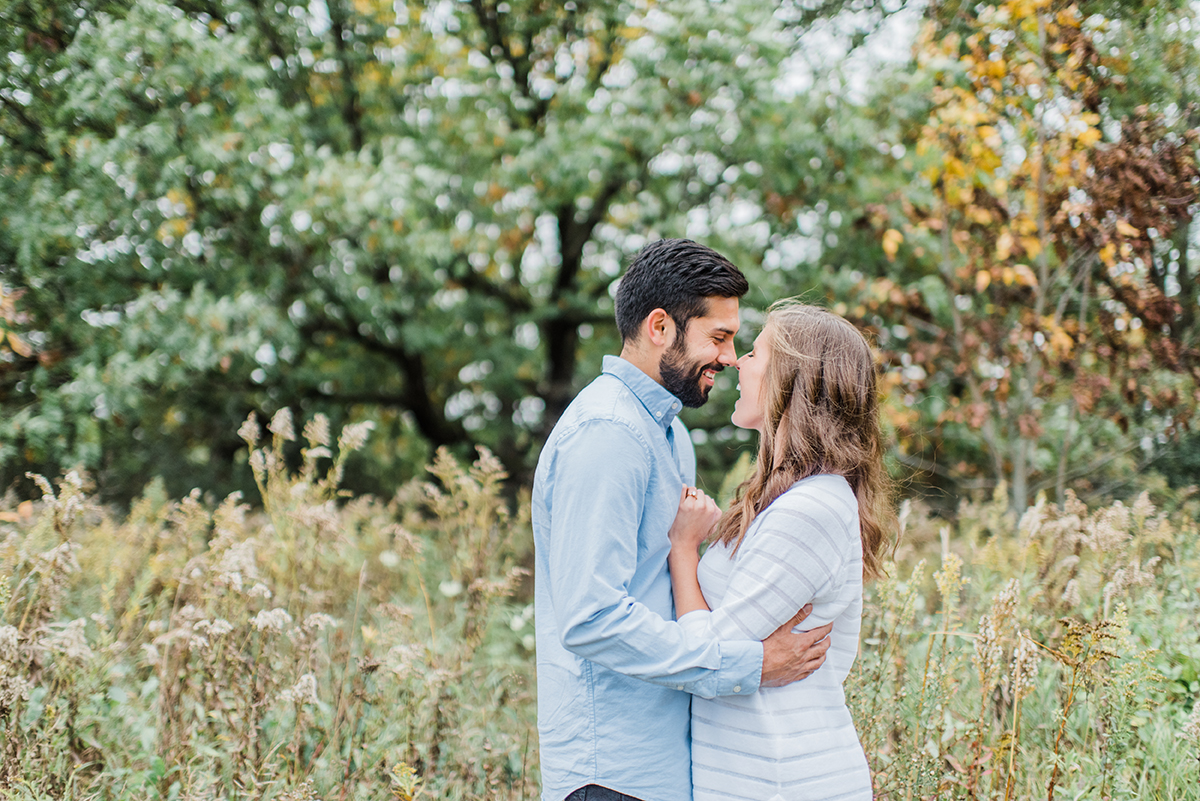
(789,657)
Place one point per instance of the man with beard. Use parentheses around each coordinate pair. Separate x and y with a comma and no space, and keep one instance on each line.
(615,672)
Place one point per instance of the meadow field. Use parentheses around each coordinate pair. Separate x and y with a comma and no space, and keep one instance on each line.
(320,646)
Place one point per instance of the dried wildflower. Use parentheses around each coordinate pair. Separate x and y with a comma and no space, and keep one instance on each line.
(44,485)
(250,432)
(354,436)
(13,689)
(304,691)
(260,590)
(229,519)
(59,561)
(450,588)
(316,431)
(71,642)
(1143,508)
(258,463)
(150,651)
(319,622)
(217,627)
(993,631)
(237,565)
(401,659)
(322,517)
(1070,594)
(272,620)
(949,581)
(1073,506)
(10,640)
(281,424)
(1191,729)
(1024,669)
(319,452)
(1128,577)
(1031,522)
(1108,530)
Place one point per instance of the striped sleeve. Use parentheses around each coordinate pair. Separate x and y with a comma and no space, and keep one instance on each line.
(797,553)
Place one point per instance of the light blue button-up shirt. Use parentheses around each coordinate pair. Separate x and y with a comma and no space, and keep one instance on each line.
(614,670)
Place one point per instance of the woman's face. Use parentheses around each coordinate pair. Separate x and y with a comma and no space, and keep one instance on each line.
(752,369)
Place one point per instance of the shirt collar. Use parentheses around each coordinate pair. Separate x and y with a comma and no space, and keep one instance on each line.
(662,405)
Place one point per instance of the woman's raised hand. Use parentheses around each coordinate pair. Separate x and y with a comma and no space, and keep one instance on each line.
(694,522)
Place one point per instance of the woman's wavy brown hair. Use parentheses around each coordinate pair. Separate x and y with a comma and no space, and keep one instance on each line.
(820,415)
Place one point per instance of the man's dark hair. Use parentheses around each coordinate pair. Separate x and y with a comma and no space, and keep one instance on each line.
(677,276)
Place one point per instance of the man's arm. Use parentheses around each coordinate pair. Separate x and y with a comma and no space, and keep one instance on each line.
(595,493)
(794,556)
(787,657)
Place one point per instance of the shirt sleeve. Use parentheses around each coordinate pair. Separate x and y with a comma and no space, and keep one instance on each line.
(797,554)
(601,473)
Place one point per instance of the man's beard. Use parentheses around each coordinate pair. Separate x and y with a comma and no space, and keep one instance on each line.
(682,378)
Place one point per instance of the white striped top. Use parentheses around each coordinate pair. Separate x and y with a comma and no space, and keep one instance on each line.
(795,742)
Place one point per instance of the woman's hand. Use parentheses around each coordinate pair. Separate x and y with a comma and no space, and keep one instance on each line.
(694,522)
(697,517)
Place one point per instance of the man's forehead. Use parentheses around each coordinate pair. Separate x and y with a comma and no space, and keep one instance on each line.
(722,317)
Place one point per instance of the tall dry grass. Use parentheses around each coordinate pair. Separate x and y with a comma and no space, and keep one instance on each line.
(322,646)
(1057,656)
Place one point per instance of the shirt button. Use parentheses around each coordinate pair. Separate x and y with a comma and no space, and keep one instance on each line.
(658,414)
(738,688)
(679,687)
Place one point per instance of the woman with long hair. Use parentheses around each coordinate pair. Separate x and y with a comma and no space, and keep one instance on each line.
(809,524)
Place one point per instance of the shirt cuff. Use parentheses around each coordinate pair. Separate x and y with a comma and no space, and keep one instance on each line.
(741,667)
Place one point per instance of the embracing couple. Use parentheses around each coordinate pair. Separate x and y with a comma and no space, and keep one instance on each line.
(664,676)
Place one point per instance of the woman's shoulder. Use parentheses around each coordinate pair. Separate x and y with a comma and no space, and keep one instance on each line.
(821,500)
(825,486)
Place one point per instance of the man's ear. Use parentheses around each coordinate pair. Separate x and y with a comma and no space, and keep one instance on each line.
(659,328)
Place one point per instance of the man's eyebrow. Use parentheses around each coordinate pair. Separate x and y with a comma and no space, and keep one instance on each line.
(724,330)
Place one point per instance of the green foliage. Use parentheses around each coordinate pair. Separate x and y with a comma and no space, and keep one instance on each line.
(412,212)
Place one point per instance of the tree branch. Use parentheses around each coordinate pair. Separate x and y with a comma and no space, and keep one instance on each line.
(351,107)
(416,398)
(488,18)
(35,130)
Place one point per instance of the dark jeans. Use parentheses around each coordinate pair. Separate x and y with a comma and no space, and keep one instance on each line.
(594,792)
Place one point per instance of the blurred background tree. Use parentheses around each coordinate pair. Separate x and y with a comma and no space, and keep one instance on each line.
(415,213)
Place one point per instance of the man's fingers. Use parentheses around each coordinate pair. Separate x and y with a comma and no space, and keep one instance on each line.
(798,618)
(814,638)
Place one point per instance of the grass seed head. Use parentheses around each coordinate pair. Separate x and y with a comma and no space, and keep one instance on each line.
(316,431)
(250,431)
(281,425)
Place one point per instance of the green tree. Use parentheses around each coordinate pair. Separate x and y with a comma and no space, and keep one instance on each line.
(410,211)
